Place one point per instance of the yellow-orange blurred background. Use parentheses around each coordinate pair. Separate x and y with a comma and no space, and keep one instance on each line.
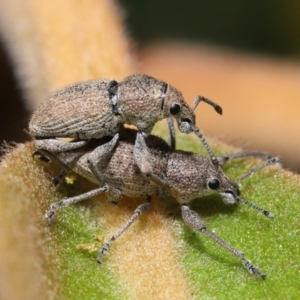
(259,95)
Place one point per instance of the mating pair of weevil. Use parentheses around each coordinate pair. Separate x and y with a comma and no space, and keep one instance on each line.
(126,162)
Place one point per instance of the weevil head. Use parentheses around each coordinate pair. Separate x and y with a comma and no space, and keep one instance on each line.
(222,184)
(191,176)
(176,107)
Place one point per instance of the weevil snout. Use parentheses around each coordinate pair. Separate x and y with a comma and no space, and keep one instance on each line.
(186,120)
(231,195)
(228,197)
(184,125)
(227,188)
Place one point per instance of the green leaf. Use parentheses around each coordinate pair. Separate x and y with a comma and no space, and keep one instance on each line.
(158,257)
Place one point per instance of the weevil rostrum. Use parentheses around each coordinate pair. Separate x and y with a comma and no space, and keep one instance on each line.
(121,167)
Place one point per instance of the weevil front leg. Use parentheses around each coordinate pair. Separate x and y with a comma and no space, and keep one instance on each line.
(139,210)
(68,201)
(192,219)
(172,133)
(142,158)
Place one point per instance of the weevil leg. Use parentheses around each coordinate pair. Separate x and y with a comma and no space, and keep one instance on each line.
(142,158)
(172,133)
(192,219)
(68,201)
(263,155)
(57,146)
(99,158)
(139,210)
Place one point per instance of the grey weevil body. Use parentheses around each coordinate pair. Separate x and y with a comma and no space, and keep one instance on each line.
(123,168)
(97,108)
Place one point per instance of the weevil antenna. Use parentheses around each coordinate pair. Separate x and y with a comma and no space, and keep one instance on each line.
(198,99)
(270,161)
(254,206)
(204,142)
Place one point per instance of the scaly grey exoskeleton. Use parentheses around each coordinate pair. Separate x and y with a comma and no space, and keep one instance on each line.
(98,108)
(126,170)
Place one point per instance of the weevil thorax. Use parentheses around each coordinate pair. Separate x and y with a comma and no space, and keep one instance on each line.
(176,107)
(192,176)
(141,101)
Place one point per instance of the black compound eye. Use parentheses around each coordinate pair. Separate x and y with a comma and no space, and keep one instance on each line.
(214,184)
(175,109)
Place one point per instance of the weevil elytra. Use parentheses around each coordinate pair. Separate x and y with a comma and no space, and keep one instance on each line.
(119,169)
(98,108)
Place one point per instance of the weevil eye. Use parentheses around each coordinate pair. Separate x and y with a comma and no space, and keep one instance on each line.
(214,184)
(175,109)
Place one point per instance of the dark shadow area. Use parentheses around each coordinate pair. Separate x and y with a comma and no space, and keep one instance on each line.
(13,113)
(269,27)
(205,206)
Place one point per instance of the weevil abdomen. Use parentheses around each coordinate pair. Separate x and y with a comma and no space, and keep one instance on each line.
(82,110)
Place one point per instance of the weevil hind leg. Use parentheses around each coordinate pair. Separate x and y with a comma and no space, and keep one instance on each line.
(138,211)
(68,201)
(193,220)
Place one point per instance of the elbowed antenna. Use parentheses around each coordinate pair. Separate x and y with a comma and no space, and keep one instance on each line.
(270,161)
(219,110)
(254,206)
(198,99)
(204,142)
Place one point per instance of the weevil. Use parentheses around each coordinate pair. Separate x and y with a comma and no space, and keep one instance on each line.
(98,108)
(119,170)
